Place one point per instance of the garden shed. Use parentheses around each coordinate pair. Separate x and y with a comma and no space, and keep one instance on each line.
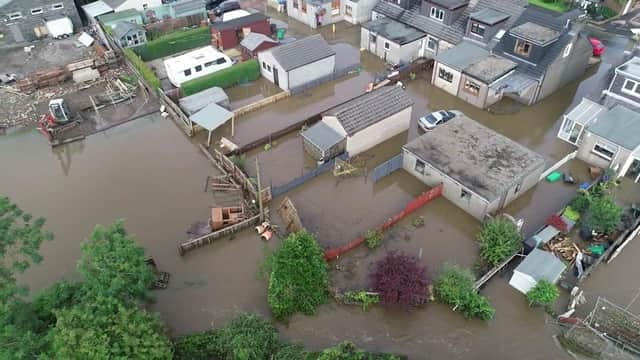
(228,34)
(538,265)
(253,43)
(323,143)
(196,102)
(211,117)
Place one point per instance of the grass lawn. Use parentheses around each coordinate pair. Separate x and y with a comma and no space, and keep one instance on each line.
(557,5)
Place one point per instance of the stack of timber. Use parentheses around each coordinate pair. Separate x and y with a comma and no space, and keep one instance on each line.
(563,247)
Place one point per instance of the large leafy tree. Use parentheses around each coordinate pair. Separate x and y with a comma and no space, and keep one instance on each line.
(400,280)
(603,215)
(113,265)
(454,286)
(21,236)
(498,239)
(299,280)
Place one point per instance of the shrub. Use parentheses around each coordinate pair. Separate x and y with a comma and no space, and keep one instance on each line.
(544,293)
(299,280)
(57,297)
(603,215)
(174,42)
(238,73)
(201,346)
(348,351)
(499,239)
(147,74)
(365,298)
(607,12)
(400,280)
(248,337)
(373,238)
(581,202)
(454,286)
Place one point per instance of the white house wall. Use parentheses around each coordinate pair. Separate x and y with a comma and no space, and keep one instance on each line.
(361,11)
(311,72)
(309,17)
(139,5)
(333,123)
(589,141)
(450,87)
(396,53)
(375,134)
(266,57)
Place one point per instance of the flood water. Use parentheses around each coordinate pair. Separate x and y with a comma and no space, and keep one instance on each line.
(149,173)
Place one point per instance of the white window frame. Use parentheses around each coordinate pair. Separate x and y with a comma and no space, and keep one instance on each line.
(633,92)
(57,6)
(442,71)
(15,16)
(387,45)
(348,10)
(479,26)
(37,11)
(606,147)
(567,50)
(419,166)
(435,41)
(436,13)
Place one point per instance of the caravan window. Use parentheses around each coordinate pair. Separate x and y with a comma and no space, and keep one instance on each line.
(187,72)
(207,64)
(221,61)
(198,68)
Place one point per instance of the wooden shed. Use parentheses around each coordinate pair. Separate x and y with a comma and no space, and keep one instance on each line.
(228,34)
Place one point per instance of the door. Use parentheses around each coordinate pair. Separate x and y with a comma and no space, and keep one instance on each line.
(634,171)
(373,39)
(17,33)
(574,136)
(276,79)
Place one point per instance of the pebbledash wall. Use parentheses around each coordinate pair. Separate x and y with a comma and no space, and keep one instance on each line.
(22,19)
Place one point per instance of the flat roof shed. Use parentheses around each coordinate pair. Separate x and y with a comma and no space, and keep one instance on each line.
(211,117)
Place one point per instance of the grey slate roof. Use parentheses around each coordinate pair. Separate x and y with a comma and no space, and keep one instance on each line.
(450,4)
(238,23)
(535,33)
(462,55)
(370,108)
(540,264)
(322,136)
(96,8)
(122,28)
(489,16)
(253,40)
(302,52)
(477,157)
(618,125)
(193,103)
(490,68)
(394,31)
(450,33)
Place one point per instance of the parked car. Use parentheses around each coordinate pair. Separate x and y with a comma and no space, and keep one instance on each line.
(226,6)
(430,121)
(598,46)
(212,4)
(7,78)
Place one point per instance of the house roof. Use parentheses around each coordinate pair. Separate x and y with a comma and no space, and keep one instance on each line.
(541,265)
(535,33)
(631,67)
(114,3)
(489,16)
(4,2)
(211,116)
(196,102)
(252,40)
(322,136)
(122,28)
(450,4)
(490,68)
(120,15)
(462,55)
(514,83)
(96,8)
(188,7)
(618,125)
(394,31)
(238,22)
(370,108)
(302,52)
(585,111)
(475,156)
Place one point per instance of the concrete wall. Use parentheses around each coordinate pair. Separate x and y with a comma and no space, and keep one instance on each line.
(450,87)
(476,206)
(22,29)
(396,53)
(564,70)
(360,11)
(479,100)
(373,135)
(527,182)
(311,72)
(589,141)
(265,57)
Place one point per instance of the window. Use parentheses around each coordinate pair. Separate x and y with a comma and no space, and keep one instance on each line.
(517,189)
(477,29)
(523,48)
(145,6)
(134,36)
(419,168)
(432,43)
(445,75)
(198,68)
(37,11)
(128,37)
(631,87)
(264,65)
(187,72)
(567,50)
(604,151)
(57,6)
(207,64)
(295,4)
(471,87)
(268,68)
(387,46)
(335,7)
(436,13)
(464,194)
(221,61)
(303,6)
(15,16)
(348,11)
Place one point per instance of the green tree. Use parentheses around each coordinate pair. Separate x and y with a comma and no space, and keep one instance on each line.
(544,294)
(61,295)
(20,239)
(498,239)
(105,328)
(248,337)
(298,281)
(113,265)
(604,214)
(455,286)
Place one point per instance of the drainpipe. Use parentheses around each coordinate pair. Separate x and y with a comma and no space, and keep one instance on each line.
(627,7)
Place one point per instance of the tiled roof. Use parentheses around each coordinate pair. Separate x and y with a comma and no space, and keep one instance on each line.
(238,23)
(122,28)
(370,108)
(393,30)
(618,125)
(302,52)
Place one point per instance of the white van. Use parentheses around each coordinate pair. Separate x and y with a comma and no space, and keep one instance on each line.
(60,28)
(195,64)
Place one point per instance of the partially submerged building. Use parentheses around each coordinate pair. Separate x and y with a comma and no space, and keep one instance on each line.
(390,40)
(25,20)
(228,34)
(193,103)
(298,63)
(317,13)
(359,124)
(538,265)
(482,171)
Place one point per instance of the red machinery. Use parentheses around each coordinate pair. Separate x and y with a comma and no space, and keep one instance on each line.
(58,119)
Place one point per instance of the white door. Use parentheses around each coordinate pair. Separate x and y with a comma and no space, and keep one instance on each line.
(373,40)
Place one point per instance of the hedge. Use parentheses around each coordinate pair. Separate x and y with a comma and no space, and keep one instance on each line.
(147,74)
(174,42)
(238,73)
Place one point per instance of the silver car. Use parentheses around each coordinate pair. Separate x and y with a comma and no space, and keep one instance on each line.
(430,121)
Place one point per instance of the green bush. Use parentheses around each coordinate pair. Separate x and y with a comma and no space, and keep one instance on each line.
(147,74)
(607,12)
(603,215)
(238,73)
(581,202)
(200,346)
(248,337)
(365,298)
(373,238)
(299,280)
(174,42)
(454,286)
(544,294)
(498,239)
